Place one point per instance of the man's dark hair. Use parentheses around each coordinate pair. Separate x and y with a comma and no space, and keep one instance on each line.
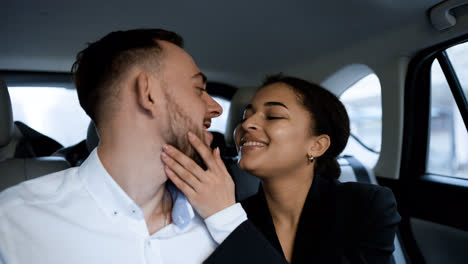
(328,117)
(102,62)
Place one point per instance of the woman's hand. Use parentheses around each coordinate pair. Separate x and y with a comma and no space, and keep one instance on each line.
(209,191)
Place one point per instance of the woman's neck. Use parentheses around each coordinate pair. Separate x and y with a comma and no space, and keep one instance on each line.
(286,195)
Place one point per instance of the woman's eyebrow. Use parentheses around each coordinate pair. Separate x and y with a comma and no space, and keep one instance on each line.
(275,104)
(249,106)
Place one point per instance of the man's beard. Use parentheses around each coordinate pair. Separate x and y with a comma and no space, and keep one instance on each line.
(179,125)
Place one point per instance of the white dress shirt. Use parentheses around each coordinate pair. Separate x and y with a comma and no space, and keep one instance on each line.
(81,215)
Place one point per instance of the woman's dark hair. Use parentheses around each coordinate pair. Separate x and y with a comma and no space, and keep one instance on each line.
(329,117)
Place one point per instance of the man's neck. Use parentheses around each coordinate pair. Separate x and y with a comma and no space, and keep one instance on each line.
(138,170)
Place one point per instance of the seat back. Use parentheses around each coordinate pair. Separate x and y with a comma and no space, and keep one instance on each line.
(246,184)
(78,153)
(14,169)
(7,128)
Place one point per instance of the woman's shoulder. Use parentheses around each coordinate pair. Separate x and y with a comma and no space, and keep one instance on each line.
(362,192)
(368,201)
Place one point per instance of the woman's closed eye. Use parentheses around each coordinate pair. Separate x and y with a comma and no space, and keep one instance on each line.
(274,117)
(267,117)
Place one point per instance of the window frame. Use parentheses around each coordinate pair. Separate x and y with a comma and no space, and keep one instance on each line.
(454,84)
(417,104)
(421,194)
(434,198)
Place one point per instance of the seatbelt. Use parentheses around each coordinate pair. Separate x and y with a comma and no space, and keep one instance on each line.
(359,170)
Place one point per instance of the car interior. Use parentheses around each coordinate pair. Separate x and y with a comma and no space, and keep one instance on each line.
(399,67)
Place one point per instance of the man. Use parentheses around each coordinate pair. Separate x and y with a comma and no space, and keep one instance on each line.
(143,91)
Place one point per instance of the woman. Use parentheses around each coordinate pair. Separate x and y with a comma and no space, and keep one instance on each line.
(290,137)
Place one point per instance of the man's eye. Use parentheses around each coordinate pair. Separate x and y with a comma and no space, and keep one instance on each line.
(201,89)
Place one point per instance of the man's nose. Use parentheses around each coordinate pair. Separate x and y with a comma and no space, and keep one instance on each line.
(214,109)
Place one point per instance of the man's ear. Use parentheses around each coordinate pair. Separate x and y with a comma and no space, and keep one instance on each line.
(319,145)
(144,93)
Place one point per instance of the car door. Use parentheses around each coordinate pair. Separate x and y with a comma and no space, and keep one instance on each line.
(432,190)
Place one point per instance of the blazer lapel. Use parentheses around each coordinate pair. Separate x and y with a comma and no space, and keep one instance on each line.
(315,226)
(316,223)
(257,211)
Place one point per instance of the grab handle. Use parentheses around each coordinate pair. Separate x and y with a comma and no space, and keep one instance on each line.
(440,15)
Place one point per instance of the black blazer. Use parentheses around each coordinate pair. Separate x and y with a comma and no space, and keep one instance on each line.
(340,223)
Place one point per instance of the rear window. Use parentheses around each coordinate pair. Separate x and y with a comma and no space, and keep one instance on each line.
(219,124)
(363,102)
(53,111)
(56,112)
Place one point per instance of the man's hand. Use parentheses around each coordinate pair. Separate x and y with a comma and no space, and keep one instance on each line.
(209,191)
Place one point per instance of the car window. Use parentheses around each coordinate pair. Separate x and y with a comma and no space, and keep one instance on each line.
(56,112)
(219,124)
(448,136)
(458,56)
(364,105)
(53,111)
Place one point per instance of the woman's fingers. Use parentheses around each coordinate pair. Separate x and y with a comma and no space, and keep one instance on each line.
(208,191)
(202,149)
(179,183)
(180,171)
(184,161)
(219,161)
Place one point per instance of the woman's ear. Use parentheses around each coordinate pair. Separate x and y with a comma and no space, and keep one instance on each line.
(319,145)
(144,93)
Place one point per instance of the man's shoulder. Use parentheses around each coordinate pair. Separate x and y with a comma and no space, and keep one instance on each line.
(39,190)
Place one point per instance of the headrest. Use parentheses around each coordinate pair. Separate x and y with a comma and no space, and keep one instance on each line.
(92,138)
(6,115)
(238,103)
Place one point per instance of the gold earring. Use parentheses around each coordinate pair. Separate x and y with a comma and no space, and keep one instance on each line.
(310,159)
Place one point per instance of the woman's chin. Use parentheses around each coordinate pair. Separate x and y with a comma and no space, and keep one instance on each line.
(253,168)
(248,166)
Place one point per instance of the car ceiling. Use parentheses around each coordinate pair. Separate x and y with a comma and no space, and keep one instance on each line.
(236,42)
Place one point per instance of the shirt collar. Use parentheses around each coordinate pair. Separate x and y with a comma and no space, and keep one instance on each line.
(114,201)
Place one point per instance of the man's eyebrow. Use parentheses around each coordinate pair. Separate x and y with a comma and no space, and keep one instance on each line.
(249,106)
(202,75)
